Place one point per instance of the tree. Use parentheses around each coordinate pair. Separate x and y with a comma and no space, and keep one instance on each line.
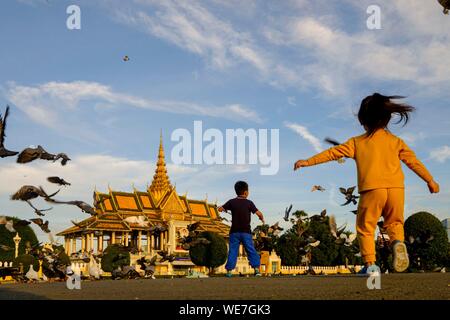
(211,255)
(114,256)
(427,241)
(6,238)
(26,260)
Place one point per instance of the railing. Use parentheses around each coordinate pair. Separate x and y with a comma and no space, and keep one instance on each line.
(6,264)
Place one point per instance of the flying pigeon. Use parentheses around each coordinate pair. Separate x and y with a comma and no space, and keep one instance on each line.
(58,180)
(43,225)
(348,193)
(39,212)
(275,229)
(86,208)
(317,188)
(165,256)
(126,58)
(30,154)
(287,212)
(446,5)
(334,143)
(9,224)
(26,193)
(3,151)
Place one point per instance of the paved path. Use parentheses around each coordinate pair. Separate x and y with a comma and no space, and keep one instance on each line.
(393,286)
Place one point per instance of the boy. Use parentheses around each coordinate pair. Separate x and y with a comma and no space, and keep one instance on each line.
(240,232)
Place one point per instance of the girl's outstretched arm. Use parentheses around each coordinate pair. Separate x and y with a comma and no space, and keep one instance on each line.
(409,158)
(346,149)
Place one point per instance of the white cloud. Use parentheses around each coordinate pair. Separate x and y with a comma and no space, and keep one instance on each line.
(48,103)
(292,101)
(305,134)
(441,154)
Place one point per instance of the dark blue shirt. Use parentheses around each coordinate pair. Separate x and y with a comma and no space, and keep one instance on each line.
(241,209)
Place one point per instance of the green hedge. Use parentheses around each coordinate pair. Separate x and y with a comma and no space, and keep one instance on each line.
(26,260)
(426,256)
(6,238)
(114,256)
(210,255)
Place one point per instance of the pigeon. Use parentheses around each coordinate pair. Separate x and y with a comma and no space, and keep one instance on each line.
(97,202)
(317,188)
(21,223)
(43,225)
(9,225)
(346,240)
(3,151)
(39,212)
(26,193)
(335,231)
(64,158)
(86,208)
(287,212)
(319,217)
(31,153)
(275,229)
(334,143)
(157,229)
(76,224)
(192,227)
(126,58)
(165,256)
(446,5)
(314,244)
(5,248)
(58,180)
(349,196)
(31,274)
(141,221)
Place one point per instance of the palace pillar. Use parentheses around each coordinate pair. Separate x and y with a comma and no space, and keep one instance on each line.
(139,240)
(113,237)
(66,245)
(100,243)
(74,244)
(126,238)
(92,242)
(83,242)
(149,247)
(88,242)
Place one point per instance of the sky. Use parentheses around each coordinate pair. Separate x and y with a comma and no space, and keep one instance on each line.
(299,66)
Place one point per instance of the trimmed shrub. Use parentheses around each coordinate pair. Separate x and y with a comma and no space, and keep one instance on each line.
(114,256)
(26,260)
(210,255)
(6,238)
(430,246)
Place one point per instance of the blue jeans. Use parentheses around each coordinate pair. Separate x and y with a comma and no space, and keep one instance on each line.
(236,239)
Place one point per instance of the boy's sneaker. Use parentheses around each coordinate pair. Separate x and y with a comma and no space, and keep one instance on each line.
(401,259)
(257,273)
(229,274)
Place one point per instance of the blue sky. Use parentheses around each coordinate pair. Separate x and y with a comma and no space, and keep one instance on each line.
(261,64)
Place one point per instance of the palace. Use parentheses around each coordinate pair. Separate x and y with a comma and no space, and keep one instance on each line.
(160,203)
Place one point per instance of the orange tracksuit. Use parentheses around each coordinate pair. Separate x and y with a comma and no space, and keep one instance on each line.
(380,183)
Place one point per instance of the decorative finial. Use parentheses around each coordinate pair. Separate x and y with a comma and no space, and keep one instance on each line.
(161,182)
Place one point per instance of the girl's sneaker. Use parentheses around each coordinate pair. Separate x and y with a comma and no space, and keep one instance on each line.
(229,274)
(370,270)
(257,273)
(401,259)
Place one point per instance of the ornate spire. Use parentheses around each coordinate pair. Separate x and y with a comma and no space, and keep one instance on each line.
(160,181)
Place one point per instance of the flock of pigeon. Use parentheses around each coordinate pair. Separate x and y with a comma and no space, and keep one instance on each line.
(27,193)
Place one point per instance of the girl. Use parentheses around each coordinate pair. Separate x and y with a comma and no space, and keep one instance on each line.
(380,178)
